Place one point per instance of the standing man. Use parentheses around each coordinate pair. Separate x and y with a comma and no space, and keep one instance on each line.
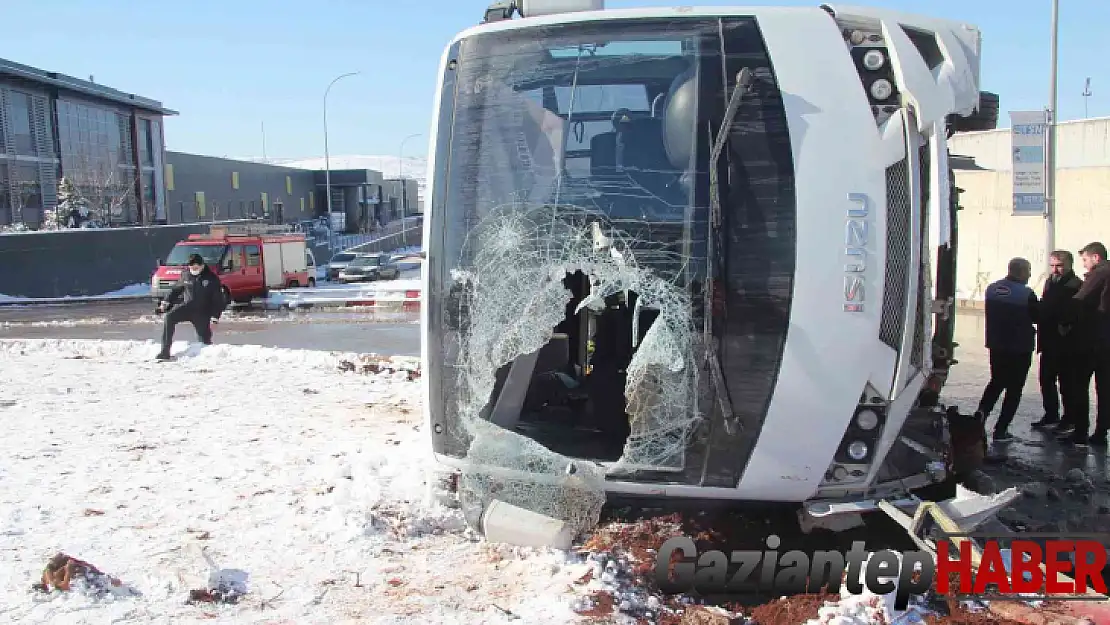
(1094,311)
(202,299)
(1011,310)
(1055,341)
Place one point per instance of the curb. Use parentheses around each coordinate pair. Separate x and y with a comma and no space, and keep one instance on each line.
(66,301)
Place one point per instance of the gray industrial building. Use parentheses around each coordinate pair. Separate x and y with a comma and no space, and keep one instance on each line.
(108,143)
(206,188)
(403,198)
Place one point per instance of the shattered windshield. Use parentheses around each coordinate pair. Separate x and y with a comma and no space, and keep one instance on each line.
(570,244)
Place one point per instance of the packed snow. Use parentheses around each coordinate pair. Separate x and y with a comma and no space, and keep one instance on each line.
(132,291)
(264,467)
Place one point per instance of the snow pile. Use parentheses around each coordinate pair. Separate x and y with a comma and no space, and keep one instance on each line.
(132,291)
(294,487)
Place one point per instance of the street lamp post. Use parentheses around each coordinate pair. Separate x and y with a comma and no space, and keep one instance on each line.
(404,185)
(327,156)
(1050,157)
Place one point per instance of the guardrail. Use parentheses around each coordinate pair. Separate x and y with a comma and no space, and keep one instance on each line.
(391,296)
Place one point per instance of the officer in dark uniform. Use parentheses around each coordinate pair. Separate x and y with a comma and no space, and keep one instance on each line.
(1011,311)
(197,298)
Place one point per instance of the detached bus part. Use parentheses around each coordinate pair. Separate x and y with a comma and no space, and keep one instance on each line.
(707,253)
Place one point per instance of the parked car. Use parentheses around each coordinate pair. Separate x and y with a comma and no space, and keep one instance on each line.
(370,267)
(338,263)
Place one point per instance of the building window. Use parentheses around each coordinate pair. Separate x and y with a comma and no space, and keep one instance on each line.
(146,149)
(201,207)
(234,180)
(5,198)
(289,185)
(20,122)
(26,193)
(254,256)
(169,177)
(148,192)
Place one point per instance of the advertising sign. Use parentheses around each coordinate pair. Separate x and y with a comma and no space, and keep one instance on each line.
(1028,131)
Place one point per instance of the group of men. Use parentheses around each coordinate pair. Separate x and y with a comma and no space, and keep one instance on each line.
(1069,326)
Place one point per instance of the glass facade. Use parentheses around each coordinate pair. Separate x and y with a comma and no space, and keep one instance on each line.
(111,155)
(97,157)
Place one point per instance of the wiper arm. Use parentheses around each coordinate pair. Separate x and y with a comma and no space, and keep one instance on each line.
(742,88)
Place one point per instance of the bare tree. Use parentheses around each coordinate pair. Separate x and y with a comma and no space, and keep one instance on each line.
(107,189)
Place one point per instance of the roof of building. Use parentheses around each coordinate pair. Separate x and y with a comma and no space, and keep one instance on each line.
(83,87)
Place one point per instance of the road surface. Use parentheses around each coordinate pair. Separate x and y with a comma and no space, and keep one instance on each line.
(133,320)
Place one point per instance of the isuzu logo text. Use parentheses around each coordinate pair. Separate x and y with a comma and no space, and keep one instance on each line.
(857,234)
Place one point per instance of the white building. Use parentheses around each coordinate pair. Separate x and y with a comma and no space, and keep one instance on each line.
(990,234)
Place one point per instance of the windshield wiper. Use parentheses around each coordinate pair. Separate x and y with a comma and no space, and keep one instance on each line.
(712,356)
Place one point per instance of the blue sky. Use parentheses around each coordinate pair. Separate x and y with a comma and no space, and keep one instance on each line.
(231,65)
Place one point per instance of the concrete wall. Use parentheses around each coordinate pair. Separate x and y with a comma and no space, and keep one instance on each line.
(188,174)
(990,234)
(84,262)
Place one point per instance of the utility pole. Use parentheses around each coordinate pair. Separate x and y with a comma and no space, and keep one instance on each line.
(327,158)
(1050,144)
(1086,98)
(404,185)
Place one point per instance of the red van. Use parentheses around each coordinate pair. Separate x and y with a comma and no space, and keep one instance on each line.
(249,260)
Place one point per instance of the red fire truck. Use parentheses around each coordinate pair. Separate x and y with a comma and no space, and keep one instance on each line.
(250,261)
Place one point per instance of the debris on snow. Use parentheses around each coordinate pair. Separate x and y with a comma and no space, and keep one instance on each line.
(65,573)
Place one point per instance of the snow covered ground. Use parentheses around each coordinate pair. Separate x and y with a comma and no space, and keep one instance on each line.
(278,468)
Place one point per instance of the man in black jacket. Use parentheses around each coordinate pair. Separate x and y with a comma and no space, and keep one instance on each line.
(1055,342)
(1093,319)
(201,298)
(1011,316)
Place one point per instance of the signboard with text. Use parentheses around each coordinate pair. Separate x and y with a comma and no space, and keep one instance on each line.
(1028,131)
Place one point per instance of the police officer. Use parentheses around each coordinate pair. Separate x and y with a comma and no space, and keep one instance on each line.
(197,298)
(1011,311)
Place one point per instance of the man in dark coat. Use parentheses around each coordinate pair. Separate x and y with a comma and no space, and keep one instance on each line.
(1055,342)
(201,298)
(1011,311)
(1093,321)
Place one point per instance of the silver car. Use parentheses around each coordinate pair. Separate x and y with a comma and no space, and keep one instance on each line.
(338,263)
